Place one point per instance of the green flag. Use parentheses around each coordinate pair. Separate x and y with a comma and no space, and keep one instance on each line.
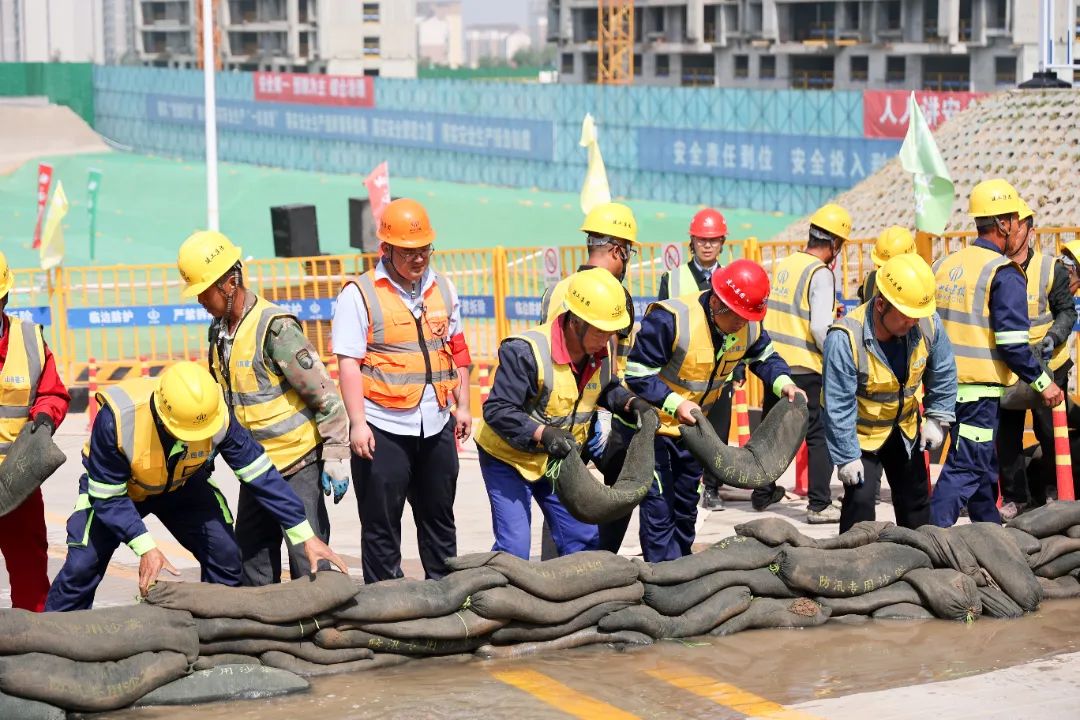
(92,185)
(934,191)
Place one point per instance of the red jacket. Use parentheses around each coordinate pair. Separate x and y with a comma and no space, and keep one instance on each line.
(52,397)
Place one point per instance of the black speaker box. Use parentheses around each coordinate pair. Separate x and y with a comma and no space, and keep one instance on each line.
(362,226)
(296,231)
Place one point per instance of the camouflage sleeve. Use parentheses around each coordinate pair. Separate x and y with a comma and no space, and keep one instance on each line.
(289,350)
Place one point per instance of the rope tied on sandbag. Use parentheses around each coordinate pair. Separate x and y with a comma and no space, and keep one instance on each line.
(767,455)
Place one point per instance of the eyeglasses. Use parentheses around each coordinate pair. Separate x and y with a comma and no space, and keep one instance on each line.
(418,254)
(709,241)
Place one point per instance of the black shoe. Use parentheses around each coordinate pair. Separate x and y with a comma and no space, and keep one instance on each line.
(710,500)
(760,504)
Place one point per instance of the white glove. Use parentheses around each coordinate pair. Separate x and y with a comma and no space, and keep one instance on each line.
(932,434)
(851,474)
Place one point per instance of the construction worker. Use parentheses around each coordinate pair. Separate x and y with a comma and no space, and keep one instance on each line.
(892,241)
(1070,260)
(278,389)
(404,367)
(708,232)
(682,357)
(30,392)
(151,451)
(982,301)
(875,359)
(802,307)
(548,382)
(1053,316)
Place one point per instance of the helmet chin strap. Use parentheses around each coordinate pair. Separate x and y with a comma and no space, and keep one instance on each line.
(413,288)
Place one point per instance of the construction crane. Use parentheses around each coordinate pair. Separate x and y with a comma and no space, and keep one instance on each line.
(615,23)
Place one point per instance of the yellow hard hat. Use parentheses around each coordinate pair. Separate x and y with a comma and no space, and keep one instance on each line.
(405,223)
(991,198)
(1072,248)
(7,279)
(595,296)
(908,283)
(612,219)
(1024,212)
(833,219)
(190,402)
(203,259)
(893,241)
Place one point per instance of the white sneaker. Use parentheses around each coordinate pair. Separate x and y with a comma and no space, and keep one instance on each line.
(828,514)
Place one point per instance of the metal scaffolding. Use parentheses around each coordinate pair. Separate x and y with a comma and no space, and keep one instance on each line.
(616,42)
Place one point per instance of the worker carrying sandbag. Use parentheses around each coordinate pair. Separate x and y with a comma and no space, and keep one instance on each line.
(982,301)
(549,381)
(279,389)
(892,241)
(151,451)
(31,391)
(876,357)
(682,357)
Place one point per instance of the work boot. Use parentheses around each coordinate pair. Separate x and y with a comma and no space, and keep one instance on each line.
(1011,509)
(710,499)
(777,496)
(828,514)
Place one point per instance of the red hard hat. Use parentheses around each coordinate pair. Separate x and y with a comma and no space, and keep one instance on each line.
(744,287)
(708,223)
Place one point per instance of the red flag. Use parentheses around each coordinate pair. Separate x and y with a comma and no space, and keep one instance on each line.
(44,178)
(378,187)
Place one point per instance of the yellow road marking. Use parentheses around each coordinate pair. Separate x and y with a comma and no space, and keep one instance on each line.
(560,696)
(727,695)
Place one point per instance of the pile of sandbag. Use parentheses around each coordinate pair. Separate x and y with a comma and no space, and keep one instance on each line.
(1049,537)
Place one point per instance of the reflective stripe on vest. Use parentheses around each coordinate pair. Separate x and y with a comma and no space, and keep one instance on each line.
(19,379)
(264,402)
(698,370)
(405,354)
(1040,278)
(137,438)
(878,393)
(788,318)
(681,281)
(963,303)
(557,403)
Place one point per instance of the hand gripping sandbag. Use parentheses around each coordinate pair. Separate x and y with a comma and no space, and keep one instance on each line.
(32,459)
(593,502)
(770,451)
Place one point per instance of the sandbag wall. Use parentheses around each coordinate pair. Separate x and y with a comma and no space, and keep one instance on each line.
(192,642)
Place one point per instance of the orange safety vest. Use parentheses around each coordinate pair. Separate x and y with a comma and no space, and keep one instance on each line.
(406,353)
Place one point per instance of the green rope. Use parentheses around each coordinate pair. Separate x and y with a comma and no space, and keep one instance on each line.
(774,568)
(468,601)
(552,472)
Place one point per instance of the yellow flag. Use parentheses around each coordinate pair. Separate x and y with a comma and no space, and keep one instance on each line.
(52,240)
(595,190)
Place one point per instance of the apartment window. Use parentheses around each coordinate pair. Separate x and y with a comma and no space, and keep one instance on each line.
(767,67)
(895,69)
(567,64)
(371,12)
(663,65)
(742,66)
(371,72)
(1005,70)
(892,12)
(371,47)
(860,68)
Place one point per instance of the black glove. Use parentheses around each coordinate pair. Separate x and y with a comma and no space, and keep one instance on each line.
(639,406)
(557,442)
(43,419)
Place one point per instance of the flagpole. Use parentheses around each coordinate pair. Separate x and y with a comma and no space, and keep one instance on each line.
(210,115)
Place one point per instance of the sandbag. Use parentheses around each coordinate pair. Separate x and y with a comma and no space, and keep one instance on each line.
(104,634)
(1060,588)
(303,668)
(334,639)
(998,555)
(563,578)
(903,611)
(588,636)
(771,613)
(765,457)
(677,599)
(997,604)
(1060,566)
(18,708)
(390,601)
(774,532)
(1050,519)
(950,551)
(911,538)
(1027,544)
(456,626)
(1073,532)
(698,620)
(843,573)
(593,502)
(305,650)
(288,602)
(732,553)
(32,458)
(88,686)
(213,629)
(205,662)
(949,594)
(1052,548)
(519,632)
(226,682)
(861,533)
(511,603)
(898,593)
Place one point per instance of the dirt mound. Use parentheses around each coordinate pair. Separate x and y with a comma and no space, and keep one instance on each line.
(33,130)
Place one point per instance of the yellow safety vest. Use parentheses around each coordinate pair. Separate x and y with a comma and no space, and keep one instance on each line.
(1040,278)
(681,281)
(881,401)
(263,401)
(557,403)
(137,438)
(551,306)
(698,370)
(788,318)
(963,303)
(19,379)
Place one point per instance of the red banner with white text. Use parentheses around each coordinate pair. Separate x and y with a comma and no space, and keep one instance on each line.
(302,88)
(885,112)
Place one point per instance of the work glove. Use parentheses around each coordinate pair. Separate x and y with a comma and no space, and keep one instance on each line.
(558,443)
(335,477)
(1046,348)
(641,407)
(43,419)
(851,474)
(932,434)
